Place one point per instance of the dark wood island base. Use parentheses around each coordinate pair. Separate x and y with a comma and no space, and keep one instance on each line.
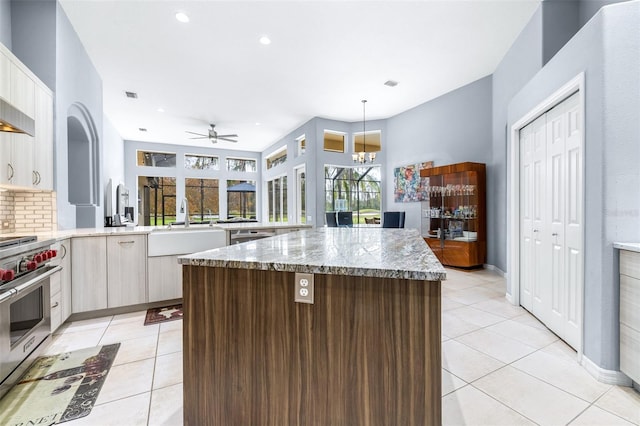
(367,352)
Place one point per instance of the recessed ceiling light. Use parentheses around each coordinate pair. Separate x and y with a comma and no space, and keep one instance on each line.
(391,83)
(160,109)
(265,40)
(182,17)
(257,123)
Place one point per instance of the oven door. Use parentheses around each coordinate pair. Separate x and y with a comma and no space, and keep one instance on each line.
(25,318)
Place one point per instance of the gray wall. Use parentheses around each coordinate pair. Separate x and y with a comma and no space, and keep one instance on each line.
(5,23)
(606,49)
(113,164)
(45,41)
(560,21)
(452,128)
(588,8)
(132,170)
(520,64)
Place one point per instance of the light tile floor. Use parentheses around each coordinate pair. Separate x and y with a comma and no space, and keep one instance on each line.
(500,366)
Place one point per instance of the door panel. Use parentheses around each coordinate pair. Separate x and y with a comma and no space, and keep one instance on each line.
(551,235)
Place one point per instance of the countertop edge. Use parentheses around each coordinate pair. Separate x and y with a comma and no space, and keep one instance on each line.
(627,246)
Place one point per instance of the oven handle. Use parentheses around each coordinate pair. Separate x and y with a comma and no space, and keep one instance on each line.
(20,288)
(8,295)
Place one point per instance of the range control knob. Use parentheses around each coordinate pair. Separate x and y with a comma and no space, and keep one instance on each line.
(31,265)
(53,253)
(38,258)
(7,274)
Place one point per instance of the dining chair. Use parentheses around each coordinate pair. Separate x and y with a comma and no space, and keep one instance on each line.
(393,219)
(331,219)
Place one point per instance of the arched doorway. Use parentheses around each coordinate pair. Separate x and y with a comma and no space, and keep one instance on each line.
(83,164)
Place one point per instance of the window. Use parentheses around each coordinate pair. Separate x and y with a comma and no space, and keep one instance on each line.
(278,157)
(301,195)
(156,159)
(356,189)
(367,142)
(241,199)
(241,165)
(333,141)
(203,196)
(277,194)
(156,200)
(201,162)
(302,145)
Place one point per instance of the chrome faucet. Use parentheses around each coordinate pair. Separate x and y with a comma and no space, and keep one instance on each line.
(184,208)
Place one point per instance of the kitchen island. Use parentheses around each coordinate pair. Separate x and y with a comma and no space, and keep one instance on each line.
(365,351)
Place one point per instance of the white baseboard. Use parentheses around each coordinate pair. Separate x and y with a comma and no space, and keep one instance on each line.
(609,377)
(495,269)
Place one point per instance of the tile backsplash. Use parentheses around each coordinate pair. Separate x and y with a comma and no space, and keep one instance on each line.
(27,212)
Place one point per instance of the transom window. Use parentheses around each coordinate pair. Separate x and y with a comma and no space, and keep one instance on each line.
(367,142)
(278,157)
(201,162)
(156,159)
(241,165)
(333,141)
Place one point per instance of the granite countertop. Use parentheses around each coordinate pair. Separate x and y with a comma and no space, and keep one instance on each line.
(627,246)
(369,252)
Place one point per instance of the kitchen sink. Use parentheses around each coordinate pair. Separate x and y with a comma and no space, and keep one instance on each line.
(179,240)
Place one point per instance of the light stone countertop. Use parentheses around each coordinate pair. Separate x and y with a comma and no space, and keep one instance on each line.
(369,252)
(141,230)
(628,246)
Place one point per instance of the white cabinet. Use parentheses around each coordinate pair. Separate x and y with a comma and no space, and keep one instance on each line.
(126,270)
(61,284)
(630,314)
(108,272)
(5,79)
(42,173)
(88,274)
(26,161)
(22,91)
(165,278)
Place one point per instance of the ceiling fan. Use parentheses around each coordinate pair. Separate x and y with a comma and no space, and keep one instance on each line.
(214,136)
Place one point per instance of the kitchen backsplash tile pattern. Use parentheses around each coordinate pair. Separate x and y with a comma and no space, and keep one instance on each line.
(7,213)
(27,212)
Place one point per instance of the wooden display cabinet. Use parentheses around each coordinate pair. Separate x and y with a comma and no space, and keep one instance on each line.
(453,218)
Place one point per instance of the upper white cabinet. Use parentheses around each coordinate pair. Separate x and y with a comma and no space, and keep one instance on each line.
(26,161)
(42,173)
(22,91)
(5,79)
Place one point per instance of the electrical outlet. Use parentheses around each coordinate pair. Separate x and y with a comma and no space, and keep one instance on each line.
(304,288)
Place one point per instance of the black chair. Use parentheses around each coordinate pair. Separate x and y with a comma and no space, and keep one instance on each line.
(331,219)
(393,220)
(345,219)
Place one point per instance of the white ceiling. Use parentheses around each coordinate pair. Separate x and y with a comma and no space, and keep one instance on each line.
(325,57)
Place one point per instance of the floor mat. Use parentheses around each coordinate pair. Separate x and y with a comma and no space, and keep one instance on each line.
(166,313)
(58,388)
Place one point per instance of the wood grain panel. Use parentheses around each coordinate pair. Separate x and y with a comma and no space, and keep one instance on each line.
(366,353)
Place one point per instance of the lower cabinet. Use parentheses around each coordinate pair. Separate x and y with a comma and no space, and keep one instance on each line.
(108,272)
(165,278)
(630,314)
(61,285)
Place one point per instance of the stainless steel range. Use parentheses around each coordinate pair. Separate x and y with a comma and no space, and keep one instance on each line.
(25,318)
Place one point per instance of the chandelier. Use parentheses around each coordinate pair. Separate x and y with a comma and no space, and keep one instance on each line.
(361,157)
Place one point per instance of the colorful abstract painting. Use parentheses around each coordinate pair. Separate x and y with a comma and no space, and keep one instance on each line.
(409,187)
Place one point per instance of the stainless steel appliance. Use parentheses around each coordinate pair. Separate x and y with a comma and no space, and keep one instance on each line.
(25,319)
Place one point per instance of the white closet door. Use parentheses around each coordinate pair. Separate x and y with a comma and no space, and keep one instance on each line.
(574,228)
(551,243)
(532,151)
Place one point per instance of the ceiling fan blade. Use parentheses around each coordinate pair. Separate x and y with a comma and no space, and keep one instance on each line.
(228,136)
(194,133)
(201,137)
(226,139)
